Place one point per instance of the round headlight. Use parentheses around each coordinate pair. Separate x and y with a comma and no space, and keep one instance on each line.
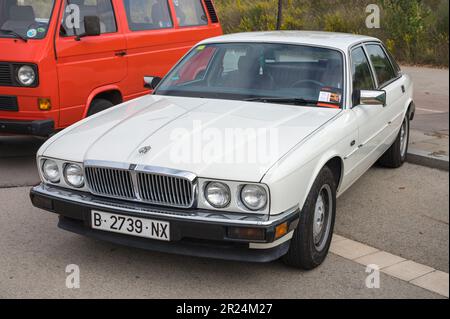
(73,174)
(254,197)
(50,171)
(217,194)
(26,75)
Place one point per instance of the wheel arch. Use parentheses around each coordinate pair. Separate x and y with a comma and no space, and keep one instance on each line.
(111,93)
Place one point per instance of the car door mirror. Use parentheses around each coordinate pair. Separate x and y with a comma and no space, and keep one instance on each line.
(91,27)
(151,82)
(369,97)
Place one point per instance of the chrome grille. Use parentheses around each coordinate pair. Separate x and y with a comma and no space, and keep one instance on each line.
(110,182)
(165,190)
(134,185)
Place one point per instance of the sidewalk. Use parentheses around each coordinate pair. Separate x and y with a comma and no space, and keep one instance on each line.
(429,149)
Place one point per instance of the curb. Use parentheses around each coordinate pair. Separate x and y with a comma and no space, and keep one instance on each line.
(427,159)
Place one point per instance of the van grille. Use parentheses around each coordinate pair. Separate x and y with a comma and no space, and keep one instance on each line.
(211,11)
(8,103)
(5,74)
(152,188)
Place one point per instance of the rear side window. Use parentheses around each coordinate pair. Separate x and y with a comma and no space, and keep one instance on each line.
(362,77)
(383,67)
(76,10)
(148,14)
(190,12)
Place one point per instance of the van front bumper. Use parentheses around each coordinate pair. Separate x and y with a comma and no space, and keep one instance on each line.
(37,128)
(193,232)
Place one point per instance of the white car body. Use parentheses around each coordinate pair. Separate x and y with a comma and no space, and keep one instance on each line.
(353,137)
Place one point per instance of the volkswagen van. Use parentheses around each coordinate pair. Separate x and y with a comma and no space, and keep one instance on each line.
(64,60)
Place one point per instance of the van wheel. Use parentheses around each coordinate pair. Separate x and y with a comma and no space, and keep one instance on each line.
(395,156)
(311,240)
(99,105)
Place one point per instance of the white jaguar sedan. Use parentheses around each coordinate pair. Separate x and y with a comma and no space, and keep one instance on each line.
(239,153)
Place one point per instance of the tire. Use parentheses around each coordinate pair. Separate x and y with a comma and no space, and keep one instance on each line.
(99,105)
(396,155)
(307,248)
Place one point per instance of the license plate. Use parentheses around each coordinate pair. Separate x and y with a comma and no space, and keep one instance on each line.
(134,226)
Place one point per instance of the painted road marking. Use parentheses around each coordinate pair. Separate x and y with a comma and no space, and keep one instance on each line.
(431,111)
(395,266)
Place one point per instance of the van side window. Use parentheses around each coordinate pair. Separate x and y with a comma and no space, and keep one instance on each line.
(383,67)
(76,10)
(190,13)
(148,14)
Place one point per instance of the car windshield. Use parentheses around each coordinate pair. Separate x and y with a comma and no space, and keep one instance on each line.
(26,19)
(262,72)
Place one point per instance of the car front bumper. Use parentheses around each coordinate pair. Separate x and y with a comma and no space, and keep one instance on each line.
(193,232)
(37,128)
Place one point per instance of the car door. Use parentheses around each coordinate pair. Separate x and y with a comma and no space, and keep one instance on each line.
(89,62)
(389,79)
(370,118)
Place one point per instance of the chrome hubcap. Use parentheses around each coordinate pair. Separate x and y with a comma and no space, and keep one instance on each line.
(404,138)
(322,217)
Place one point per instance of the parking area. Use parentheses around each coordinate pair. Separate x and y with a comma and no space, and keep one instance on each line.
(403,212)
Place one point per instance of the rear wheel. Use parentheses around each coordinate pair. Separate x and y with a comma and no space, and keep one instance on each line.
(312,238)
(99,105)
(395,156)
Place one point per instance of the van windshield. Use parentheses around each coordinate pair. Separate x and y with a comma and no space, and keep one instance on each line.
(259,72)
(26,19)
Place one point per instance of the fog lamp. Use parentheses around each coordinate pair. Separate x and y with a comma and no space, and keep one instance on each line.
(246,233)
(44,104)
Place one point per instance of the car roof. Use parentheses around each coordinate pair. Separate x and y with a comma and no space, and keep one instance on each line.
(342,41)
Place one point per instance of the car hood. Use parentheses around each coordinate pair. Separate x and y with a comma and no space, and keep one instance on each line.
(220,139)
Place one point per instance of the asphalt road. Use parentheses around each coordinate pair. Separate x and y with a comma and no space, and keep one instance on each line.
(404,212)
(385,209)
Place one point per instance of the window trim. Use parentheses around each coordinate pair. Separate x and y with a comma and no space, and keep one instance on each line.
(65,2)
(193,25)
(150,30)
(397,75)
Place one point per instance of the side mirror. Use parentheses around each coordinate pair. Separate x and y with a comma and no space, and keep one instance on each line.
(91,27)
(151,82)
(369,97)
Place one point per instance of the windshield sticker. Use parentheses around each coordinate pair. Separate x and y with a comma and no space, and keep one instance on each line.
(41,30)
(31,33)
(329,97)
(201,48)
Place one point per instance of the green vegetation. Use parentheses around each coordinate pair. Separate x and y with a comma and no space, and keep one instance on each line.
(416,31)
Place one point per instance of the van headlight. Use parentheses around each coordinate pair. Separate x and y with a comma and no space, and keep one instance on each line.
(50,170)
(254,197)
(217,194)
(73,174)
(26,75)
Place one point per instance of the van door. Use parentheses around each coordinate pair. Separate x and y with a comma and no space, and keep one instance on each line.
(87,63)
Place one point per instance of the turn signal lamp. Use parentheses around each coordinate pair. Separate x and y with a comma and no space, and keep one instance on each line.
(44,104)
(281,230)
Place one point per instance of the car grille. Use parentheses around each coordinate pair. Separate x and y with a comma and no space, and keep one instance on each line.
(8,103)
(5,74)
(152,188)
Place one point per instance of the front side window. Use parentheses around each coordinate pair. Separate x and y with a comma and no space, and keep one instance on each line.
(76,10)
(252,71)
(148,14)
(362,76)
(25,18)
(383,67)
(190,13)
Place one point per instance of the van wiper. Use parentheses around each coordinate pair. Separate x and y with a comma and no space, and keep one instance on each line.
(14,33)
(294,101)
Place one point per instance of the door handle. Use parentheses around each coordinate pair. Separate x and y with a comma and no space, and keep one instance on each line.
(121,53)
(403,89)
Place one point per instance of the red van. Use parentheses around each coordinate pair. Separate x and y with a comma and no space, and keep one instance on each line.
(63,60)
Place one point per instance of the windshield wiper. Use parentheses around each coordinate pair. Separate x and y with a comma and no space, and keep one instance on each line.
(14,33)
(294,101)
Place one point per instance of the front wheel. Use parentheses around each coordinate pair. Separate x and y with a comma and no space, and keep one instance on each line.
(312,238)
(395,156)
